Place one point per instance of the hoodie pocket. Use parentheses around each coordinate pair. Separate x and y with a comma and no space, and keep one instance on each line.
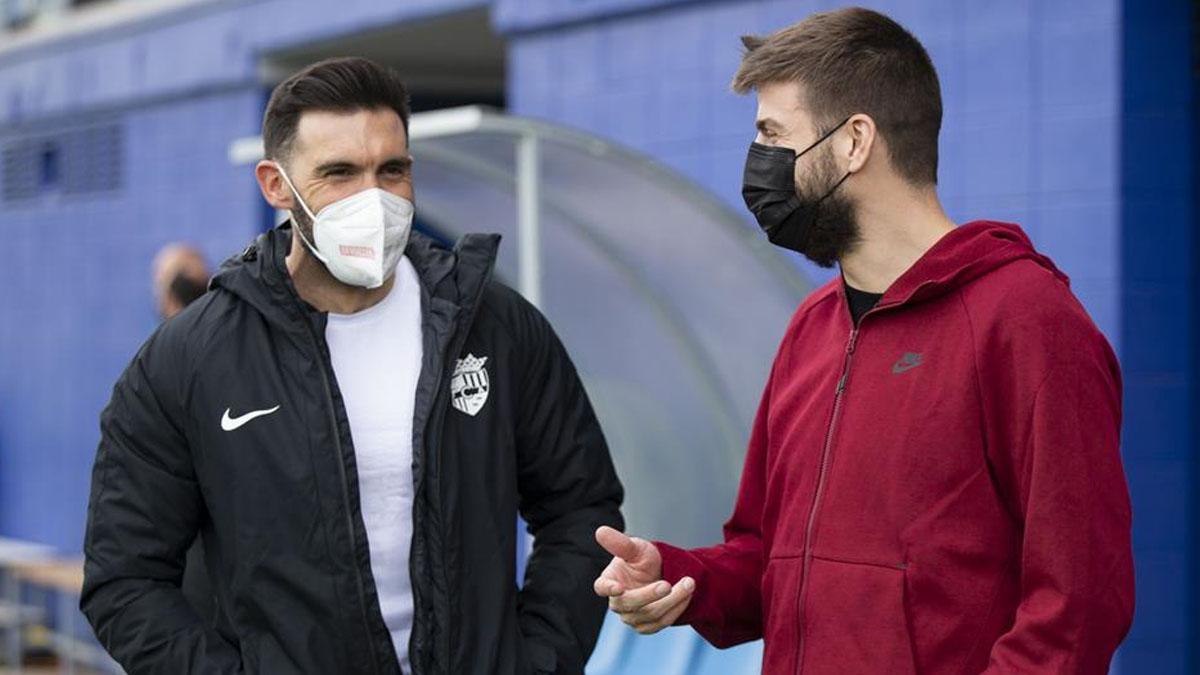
(780,589)
(855,619)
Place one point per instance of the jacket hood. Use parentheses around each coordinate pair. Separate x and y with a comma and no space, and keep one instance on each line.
(963,255)
(258,275)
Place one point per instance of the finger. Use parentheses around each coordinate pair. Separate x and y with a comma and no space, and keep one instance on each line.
(618,543)
(607,588)
(663,613)
(679,592)
(667,621)
(635,599)
(611,581)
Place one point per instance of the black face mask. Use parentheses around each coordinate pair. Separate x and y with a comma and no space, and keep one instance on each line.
(769,188)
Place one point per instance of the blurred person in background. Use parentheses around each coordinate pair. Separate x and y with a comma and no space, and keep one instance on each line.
(352,418)
(933,482)
(180,276)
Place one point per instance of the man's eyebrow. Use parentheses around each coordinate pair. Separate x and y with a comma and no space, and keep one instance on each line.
(334,165)
(766,124)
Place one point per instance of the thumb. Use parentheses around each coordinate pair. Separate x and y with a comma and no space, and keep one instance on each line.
(619,544)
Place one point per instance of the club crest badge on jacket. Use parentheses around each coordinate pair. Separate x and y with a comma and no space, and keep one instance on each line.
(469,386)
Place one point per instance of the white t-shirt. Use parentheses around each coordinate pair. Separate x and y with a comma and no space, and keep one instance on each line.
(376,357)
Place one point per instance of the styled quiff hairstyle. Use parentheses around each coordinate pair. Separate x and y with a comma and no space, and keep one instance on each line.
(338,85)
(857,61)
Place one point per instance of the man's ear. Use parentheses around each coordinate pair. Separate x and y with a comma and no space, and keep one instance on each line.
(274,189)
(863,140)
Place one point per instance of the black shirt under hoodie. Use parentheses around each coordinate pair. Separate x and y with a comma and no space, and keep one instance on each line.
(860,302)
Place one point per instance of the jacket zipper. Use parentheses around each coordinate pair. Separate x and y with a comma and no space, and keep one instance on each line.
(433,440)
(838,397)
(419,483)
(431,436)
(337,439)
(456,346)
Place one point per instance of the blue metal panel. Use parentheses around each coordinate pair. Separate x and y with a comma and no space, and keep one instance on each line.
(1159,286)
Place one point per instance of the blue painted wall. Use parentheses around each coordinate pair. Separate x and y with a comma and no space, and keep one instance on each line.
(1159,303)
(76,300)
(1072,118)
(76,297)
(1031,94)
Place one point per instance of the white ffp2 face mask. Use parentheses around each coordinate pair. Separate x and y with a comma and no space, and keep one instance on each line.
(359,238)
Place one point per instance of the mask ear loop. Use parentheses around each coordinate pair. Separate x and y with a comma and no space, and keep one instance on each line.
(815,143)
(300,230)
(824,136)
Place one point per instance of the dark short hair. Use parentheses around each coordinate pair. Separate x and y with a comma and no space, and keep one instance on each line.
(857,61)
(340,85)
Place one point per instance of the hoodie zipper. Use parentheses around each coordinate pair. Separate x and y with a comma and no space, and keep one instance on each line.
(839,395)
(337,440)
(838,401)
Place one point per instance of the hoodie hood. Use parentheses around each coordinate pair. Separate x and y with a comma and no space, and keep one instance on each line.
(963,255)
(258,275)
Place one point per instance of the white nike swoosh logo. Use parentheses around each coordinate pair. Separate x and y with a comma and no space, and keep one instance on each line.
(230,423)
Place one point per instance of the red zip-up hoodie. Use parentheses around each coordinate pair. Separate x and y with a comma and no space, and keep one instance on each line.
(936,491)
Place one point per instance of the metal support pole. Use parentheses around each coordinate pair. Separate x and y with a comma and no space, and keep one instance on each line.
(529,267)
(529,235)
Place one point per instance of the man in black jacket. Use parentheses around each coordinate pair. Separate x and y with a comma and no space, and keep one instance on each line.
(351,418)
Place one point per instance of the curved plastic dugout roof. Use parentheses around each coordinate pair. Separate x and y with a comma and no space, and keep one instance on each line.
(670,303)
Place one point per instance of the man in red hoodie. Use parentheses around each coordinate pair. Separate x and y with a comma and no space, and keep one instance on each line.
(933,483)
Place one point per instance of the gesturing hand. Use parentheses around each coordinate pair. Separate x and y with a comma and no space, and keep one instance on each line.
(633,583)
